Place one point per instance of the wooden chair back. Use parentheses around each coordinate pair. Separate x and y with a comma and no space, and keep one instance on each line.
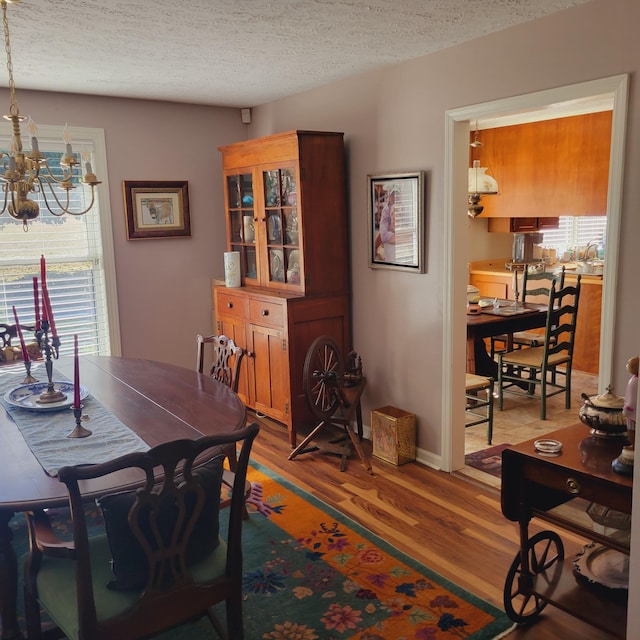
(163,517)
(562,317)
(536,285)
(225,359)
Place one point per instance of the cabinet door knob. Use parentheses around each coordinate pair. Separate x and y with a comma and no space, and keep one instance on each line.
(573,486)
(250,354)
(229,305)
(265,312)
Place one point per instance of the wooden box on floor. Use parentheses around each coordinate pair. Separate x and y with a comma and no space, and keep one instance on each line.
(393,432)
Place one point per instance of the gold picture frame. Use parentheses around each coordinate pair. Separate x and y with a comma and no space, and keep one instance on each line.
(156,209)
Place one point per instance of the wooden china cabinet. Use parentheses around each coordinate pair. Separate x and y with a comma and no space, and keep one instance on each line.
(285,210)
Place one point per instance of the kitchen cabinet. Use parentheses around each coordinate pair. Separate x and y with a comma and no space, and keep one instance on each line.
(285,212)
(548,169)
(522,225)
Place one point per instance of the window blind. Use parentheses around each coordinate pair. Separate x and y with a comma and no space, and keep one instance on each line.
(72,246)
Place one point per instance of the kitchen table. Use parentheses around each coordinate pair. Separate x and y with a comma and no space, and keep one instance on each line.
(495,322)
(158,402)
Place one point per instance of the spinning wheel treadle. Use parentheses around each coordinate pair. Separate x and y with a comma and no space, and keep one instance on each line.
(330,403)
(323,377)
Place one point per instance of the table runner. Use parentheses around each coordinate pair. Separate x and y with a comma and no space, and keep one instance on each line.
(46,432)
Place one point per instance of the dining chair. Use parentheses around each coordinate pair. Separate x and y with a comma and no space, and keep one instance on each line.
(225,367)
(161,560)
(548,366)
(536,285)
(479,407)
(225,359)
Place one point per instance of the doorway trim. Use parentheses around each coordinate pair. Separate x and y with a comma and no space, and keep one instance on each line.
(457,123)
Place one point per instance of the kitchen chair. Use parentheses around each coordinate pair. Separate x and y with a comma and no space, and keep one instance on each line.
(534,285)
(523,370)
(225,367)
(225,360)
(161,561)
(479,408)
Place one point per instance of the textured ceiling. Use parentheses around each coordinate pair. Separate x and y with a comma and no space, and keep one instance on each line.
(236,53)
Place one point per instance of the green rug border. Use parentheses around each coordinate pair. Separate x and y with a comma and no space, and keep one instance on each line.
(501,618)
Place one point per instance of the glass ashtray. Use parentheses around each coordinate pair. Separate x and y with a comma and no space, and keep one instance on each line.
(548,447)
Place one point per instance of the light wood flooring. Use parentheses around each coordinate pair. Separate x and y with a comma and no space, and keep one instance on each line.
(452,524)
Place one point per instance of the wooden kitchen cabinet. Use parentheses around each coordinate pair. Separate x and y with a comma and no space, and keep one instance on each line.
(548,169)
(285,211)
(522,225)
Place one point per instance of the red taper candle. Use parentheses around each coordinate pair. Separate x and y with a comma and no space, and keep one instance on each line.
(76,374)
(36,302)
(47,305)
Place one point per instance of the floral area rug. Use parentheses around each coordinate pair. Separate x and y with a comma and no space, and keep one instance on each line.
(311,573)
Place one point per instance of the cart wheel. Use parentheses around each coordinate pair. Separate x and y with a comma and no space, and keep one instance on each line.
(543,551)
(323,377)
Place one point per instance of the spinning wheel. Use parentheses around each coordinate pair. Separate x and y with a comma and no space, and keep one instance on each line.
(323,377)
(330,401)
(543,551)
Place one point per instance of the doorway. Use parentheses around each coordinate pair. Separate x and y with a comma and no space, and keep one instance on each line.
(456,241)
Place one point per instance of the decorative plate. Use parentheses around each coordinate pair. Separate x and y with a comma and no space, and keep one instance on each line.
(602,567)
(26,396)
(277,265)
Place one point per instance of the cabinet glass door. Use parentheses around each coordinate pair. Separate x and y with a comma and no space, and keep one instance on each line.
(240,209)
(281,200)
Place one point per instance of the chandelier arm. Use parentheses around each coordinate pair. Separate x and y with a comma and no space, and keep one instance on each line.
(64,209)
(6,198)
(67,174)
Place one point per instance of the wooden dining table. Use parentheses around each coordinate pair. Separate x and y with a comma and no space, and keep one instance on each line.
(159,402)
(490,322)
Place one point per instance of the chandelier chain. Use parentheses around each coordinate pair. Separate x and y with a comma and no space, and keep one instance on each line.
(7,45)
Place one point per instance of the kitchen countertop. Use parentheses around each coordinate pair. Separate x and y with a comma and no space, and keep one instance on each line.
(498,267)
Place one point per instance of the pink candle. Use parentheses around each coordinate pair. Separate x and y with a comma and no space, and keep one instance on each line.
(36,302)
(76,374)
(47,305)
(23,346)
(43,271)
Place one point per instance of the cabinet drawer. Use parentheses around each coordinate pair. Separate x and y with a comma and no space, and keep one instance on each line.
(266,313)
(229,304)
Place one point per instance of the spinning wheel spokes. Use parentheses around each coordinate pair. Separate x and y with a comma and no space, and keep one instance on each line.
(323,377)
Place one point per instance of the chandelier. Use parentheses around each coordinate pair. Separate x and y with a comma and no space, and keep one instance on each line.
(23,173)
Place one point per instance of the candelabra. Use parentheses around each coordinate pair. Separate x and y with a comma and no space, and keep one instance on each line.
(50,350)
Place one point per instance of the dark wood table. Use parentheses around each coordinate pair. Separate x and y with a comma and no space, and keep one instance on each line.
(159,402)
(557,490)
(487,324)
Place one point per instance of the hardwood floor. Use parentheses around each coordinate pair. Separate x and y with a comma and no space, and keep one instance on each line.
(451,524)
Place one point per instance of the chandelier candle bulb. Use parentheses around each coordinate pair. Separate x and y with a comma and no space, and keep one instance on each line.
(66,136)
(33,130)
(23,346)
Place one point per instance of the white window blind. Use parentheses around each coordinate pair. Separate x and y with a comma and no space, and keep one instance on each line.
(575,233)
(73,248)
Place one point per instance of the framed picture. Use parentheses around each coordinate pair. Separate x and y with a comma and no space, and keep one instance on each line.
(157,209)
(396,221)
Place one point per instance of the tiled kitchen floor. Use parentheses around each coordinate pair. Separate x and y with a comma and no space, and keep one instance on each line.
(520,420)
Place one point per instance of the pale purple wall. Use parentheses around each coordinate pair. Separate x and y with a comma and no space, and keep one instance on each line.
(164,292)
(394,120)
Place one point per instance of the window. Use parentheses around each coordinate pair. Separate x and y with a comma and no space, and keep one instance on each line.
(78,251)
(575,233)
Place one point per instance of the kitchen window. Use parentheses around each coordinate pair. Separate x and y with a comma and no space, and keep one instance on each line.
(78,252)
(574,234)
